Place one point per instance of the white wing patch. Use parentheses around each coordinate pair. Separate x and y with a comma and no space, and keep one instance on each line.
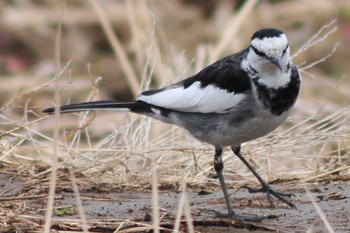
(210,99)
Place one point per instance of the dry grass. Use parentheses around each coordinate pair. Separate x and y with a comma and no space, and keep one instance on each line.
(125,149)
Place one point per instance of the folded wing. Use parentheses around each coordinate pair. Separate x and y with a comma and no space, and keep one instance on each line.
(215,89)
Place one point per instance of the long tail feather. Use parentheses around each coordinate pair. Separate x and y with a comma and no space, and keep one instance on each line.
(136,106)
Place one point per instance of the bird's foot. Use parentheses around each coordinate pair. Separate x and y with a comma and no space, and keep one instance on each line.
(269,191)
(241,218)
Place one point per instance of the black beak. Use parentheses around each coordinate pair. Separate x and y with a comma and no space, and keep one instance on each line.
(276,61)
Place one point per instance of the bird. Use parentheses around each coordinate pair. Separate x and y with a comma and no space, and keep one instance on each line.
(239,98)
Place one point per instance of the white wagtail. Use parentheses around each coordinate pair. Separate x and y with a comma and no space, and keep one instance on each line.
(239,98)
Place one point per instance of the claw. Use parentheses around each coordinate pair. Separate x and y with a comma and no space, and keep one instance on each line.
(251,190)
(268,190)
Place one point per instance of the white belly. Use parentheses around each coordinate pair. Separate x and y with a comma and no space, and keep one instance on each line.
(230,134)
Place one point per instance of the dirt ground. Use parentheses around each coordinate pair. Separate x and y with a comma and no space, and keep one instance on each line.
(23,203)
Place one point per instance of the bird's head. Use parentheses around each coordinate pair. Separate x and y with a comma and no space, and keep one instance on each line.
(270,46)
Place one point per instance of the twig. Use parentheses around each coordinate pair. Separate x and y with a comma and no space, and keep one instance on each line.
(23,198)
(315,40)
(96,94)
(324,174)
(319,211)
(320,60)
(21,126)
(54,162)
(20,95)
(119,52)
(231,29)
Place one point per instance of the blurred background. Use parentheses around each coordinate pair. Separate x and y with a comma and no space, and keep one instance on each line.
(114,49)
(180,31)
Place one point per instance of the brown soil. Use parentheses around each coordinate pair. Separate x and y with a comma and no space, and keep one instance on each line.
(22,208)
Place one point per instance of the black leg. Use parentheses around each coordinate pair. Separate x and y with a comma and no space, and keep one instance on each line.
(264,186)
(218,165)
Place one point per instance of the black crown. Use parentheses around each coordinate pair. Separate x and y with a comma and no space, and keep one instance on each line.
(267,32)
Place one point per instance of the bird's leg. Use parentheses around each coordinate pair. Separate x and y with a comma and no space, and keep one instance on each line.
(264,186)
(218,165)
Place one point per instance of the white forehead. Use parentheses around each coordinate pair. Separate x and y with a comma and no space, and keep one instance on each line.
(270,43)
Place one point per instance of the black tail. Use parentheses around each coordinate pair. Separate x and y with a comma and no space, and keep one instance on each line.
(136,106)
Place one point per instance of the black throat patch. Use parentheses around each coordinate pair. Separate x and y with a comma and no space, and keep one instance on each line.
(279,100)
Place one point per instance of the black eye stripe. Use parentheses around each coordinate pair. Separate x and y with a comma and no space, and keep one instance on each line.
(261,54)
(285,50)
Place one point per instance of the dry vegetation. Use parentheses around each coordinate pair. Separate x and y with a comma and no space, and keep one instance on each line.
(73,51)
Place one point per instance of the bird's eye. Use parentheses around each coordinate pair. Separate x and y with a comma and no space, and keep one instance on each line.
(261,54)
(285,50)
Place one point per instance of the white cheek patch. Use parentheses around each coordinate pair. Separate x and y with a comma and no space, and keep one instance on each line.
(210,99)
